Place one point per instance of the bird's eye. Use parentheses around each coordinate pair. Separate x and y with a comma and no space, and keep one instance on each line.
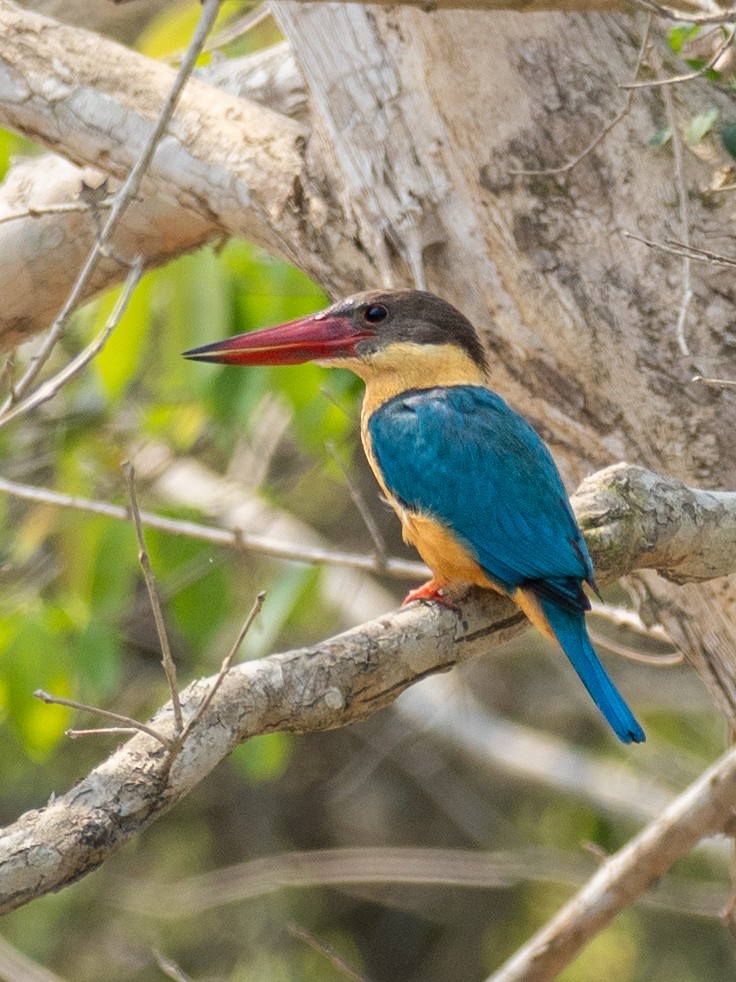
(375,313)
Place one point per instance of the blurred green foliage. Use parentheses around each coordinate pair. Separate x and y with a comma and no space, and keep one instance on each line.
(75,620)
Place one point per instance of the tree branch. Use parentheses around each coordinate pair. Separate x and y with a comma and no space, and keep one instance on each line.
(635,519)
(338,682)
(44,243)
(237,167)
(706,808)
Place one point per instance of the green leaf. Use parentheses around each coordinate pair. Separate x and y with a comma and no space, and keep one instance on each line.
(661,137)
(264,758)
(679,36)
(701,125)
(34,657)
(117,364)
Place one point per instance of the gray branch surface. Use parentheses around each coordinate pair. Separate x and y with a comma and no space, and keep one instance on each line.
(344,680)
(226,165)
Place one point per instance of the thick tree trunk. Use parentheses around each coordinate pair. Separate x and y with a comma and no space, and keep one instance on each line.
(426,117)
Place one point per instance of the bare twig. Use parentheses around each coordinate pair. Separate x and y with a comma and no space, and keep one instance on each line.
(75,734)
(687,76)
(684,210)
(680,249)
(336,960)
(622,617)
(565,168)
(689,16)
(51,386)
(129,724)
(665,660)
(166,658)
(170,969)
(403,569)
(123,198)
(7,375)
(62,208)
(718,383)
(362,506)
(224,668)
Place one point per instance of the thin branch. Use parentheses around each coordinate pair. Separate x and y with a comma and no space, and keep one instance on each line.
(76,734)
(625,617)
(684,211)
(170,969)
(52,385)
(622,617)
(402,569)
(665,660)
(468,869)
(62,208)
(705,809)
(688,16)
(356,494)
(565,168)
(718,383)
(687,76)
(163,639)
(680,249)
(224,668)
(123,198)
(336,960)
(129,724)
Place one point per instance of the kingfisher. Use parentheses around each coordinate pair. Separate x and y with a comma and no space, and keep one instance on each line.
(474,486)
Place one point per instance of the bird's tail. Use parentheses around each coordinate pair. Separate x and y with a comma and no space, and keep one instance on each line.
(567,627)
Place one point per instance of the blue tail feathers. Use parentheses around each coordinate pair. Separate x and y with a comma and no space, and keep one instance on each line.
(569,629)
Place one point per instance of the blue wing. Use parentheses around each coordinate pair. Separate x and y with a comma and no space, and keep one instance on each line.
(463,456)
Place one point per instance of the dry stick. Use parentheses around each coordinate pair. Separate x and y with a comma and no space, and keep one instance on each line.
(688,76)
(6,376)
(665,660)
(362,506)
(706,808)
(224,668)
(684,209)
(689,16)
(166,658)
(403,569)
(126,194)
(564,168)
(62,208)
(624,617)
(129,724)
(170,969)
(718,383)
(51,386)
(680,249)
(337,961)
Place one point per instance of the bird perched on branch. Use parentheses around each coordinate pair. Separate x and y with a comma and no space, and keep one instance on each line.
(474,486)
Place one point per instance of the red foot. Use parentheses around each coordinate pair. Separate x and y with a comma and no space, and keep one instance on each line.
(431,590)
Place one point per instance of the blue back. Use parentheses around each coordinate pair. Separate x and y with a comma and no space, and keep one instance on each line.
(463,456)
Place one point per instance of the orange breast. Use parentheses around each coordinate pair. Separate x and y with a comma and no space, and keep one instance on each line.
(448,559)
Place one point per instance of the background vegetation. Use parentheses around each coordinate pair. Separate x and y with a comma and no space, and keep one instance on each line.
(74,620)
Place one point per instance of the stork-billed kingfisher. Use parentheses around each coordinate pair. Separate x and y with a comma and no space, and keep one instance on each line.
(474,486)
